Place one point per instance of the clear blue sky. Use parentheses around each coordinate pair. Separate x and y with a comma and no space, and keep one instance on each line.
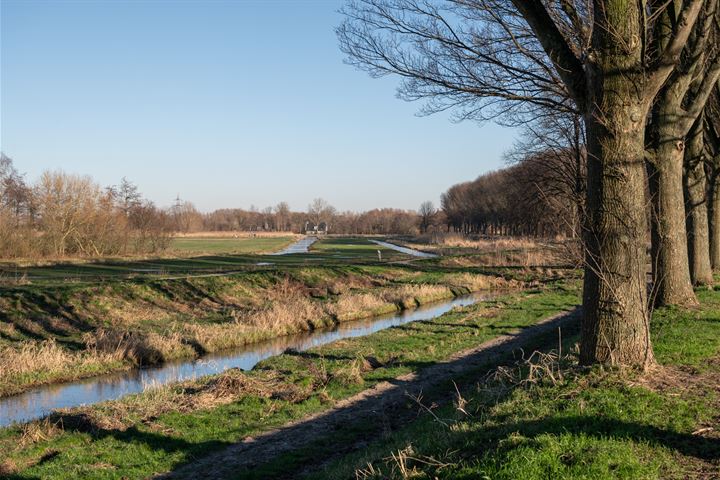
(226,103)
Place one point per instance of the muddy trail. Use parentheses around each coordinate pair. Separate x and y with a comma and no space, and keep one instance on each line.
(354,422)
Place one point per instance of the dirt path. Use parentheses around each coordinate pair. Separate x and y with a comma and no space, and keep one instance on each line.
(378,409)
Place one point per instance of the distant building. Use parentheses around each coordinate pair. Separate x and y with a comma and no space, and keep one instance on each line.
(319,229)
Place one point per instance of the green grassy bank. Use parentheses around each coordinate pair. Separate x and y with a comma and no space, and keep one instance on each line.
(60,332)
(556,420)
(165,428)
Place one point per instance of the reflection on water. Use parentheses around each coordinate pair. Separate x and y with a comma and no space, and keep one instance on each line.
(301,246)
(407,251)
(41,401)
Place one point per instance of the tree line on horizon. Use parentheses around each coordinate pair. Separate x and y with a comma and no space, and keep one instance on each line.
(63,215)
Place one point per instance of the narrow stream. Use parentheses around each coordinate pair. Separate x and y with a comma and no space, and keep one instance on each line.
(301,246)
(39,402)
(405,250)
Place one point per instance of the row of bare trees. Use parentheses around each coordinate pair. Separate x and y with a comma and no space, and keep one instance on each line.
(541,193)
(63,215)
(637,75)
(319,213)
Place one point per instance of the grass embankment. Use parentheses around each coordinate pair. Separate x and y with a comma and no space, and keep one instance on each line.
(166,427)
(54,333)
(555,420)
(463,251)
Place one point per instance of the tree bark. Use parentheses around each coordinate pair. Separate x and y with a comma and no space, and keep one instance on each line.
(671,271)
(615,328)
(696,206)
(715,214)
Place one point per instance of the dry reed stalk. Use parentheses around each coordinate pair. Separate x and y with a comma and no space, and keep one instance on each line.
(44,357)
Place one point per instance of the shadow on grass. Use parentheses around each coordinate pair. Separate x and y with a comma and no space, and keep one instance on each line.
(83,423)
(378,411)
(381,410)
(314,356)
(687,444)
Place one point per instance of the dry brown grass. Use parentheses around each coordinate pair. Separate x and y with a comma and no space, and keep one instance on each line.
(34,356)
(476,282)
(410,295)
(287,309)
(185,397)
(33,362)
(8,467)
(352,374)
(456,240)
(39,431)
(357,305)
(287,316)
(527,258)
(137,347)
(284,309)
(500,251)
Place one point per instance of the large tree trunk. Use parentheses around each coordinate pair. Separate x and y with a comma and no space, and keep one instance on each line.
(615,326)
(714,196)
(696,206)
(671,272)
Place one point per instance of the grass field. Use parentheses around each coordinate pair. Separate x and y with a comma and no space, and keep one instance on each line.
(219,245)
(69,321)
(328,251)
(538,419)
(163,428)
(556,420)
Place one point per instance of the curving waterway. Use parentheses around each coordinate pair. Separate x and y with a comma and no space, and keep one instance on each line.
(301,246)
(405,250)
(39,402)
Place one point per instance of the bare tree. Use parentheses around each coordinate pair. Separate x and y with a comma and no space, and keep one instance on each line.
(186,216)
(712,145)
(17,237)
(676,109)
(554,151)
(493,57)
(427,213)
(320,211)
(282,215)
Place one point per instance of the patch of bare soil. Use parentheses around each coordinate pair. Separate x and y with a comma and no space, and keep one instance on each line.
(376,410)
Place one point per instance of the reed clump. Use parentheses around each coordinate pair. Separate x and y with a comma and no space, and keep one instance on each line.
(138,348)
(32,362)
(358,305)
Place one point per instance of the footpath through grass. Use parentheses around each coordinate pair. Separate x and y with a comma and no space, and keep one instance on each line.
(552,420)
(164,428)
